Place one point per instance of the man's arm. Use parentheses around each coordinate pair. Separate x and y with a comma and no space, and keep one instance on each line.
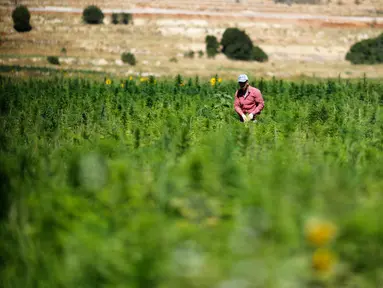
(237,105)
(259,101)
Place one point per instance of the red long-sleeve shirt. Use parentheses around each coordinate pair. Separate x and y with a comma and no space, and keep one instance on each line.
(250,101)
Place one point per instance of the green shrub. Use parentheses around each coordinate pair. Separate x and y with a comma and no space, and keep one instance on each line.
(212,46)
(259,55)
(93,15)
(126,18)
(173,60)
(53,60)
(129,58)
(200,53)
(236,44)
(189,54)
(21,18)
(115,18)
(369,51)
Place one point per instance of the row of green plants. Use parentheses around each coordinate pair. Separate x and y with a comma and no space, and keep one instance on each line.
(155,183)
(235,43)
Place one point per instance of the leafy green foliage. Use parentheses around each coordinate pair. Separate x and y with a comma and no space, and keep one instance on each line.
(93,15)
(21,18)
(129,58)
(189,54)
(158,184)
(259,55)
(115,18)
(369,51)
(212,46)
(236,44)
(53,60)
(127,18)
(122,18)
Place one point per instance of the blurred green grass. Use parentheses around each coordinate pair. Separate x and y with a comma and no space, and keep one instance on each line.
(157,184)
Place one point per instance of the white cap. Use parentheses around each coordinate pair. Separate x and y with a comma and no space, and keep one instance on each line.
(242,78)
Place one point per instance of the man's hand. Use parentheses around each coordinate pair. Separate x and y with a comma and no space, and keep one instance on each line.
(244,118)
(251,116)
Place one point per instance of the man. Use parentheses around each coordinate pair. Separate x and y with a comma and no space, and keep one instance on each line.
(248,100)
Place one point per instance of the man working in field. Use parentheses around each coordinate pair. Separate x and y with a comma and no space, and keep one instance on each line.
(248,100)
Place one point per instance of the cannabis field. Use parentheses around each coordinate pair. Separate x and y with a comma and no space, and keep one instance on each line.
(155,183)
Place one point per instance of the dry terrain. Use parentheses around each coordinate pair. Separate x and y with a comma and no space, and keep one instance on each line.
(296,46)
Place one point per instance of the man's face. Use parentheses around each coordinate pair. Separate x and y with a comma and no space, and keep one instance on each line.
(243,85)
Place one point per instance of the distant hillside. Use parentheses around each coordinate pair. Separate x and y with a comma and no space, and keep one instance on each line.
(329,7)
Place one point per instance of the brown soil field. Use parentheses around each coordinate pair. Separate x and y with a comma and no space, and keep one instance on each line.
(296,47)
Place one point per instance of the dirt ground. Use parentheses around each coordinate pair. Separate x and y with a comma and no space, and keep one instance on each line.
(295,47)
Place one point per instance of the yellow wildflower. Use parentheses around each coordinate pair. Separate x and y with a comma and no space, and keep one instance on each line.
(219,80)
(108,82)
(122,85)
(320,232)
(212,81)
(144,79)
(323,260)
(130,78)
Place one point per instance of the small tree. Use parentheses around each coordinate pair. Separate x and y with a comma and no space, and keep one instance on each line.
(236,44)
(259,55)
(21,18)
(115,18)
(93,15)
(53,60)
(129,58)
(212,46)
(126,18)
(369,51)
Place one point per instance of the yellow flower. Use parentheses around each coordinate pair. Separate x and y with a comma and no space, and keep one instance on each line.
(212,81)
(108,82)
(130,78)
(320,232)
(144,79)
(122,85)
(219,80)
(323,260)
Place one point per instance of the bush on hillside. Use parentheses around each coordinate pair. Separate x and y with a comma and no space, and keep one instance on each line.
(128,58)
(122,18)
(212,46)
(237,45)
(259,55)
(53,60)
(21,18)
(369,51)
(189,54)
(115,18)
(93,15)
(126,18)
